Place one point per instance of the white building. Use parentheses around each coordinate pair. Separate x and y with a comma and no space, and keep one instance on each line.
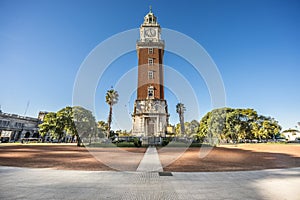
(14,127)
(291,135)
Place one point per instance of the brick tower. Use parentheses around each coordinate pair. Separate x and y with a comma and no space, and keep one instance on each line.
(150,116)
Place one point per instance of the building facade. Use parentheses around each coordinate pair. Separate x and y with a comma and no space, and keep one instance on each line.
(291,135)
(14,127)
(150,115)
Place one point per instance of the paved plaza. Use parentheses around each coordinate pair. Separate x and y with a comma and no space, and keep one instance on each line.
(148,182)
(27,183)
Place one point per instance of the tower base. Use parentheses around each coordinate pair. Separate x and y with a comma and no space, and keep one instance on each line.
(150,118)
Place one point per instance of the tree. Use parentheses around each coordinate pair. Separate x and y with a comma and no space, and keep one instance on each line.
(177,129)
(216,125)
(64,116)
(237,124)
(180,109)
(102,128)
(194,126)
(123,133)
(75,121)
(111,99)
(270,128)
(85,124)
(232,119)
(187,129)
(203,128)
(103,125)
(47,124)
(52,125)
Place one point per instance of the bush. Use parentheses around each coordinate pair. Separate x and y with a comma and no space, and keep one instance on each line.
(165,142)
(137,142)
(125,144)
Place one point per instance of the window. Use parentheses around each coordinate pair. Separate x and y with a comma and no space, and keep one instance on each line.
(19,125)
(150,92)
(150,61)
(150,75)
(150,50)
(4,123)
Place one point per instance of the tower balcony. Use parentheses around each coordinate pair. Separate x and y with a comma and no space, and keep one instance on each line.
(160,44)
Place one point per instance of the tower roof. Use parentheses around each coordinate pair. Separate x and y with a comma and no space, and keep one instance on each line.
(150,19)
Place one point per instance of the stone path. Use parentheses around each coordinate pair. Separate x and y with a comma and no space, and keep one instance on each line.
(39,184)
(150,161)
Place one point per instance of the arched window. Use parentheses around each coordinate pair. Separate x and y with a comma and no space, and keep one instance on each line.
(150,92)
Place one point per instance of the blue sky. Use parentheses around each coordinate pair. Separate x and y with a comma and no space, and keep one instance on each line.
(254,43)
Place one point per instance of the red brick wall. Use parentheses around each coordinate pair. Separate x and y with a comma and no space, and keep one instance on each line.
(143,68)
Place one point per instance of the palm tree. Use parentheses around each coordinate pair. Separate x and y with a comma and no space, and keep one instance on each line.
(180,109)
(112,98)
(102,127)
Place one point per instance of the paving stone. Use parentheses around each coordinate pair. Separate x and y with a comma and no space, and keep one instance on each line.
(36,184)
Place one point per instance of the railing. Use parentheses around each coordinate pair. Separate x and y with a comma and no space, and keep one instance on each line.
(158,44)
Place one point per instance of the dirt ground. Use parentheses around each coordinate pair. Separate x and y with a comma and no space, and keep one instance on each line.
(69,157)
(236,158)
(223,158)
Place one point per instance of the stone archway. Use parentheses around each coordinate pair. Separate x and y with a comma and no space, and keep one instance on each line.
(35,135)
(27,134)
(151,122)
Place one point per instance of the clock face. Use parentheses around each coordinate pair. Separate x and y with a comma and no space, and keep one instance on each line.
(150,32)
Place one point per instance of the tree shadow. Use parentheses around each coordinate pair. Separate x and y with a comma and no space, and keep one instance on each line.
(227,159)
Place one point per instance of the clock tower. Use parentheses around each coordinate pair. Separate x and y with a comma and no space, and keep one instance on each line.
(150,116)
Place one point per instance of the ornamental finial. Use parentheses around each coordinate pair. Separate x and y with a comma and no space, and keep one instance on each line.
(150,8)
